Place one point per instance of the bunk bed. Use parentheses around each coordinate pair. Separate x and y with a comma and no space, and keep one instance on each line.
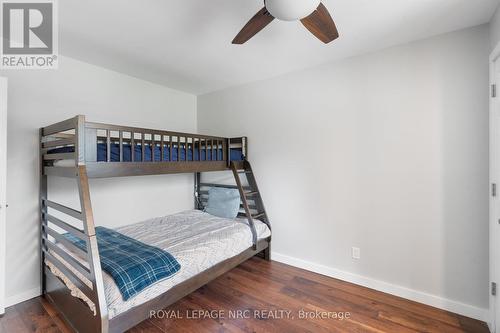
(71,276)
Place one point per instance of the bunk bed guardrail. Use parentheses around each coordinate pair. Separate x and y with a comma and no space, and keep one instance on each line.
(113,151)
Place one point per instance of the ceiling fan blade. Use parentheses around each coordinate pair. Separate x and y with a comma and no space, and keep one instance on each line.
(256,24)
(321,24)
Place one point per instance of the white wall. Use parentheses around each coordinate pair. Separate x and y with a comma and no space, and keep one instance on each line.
(3,187)
(387,152)
(495,29)
(39,98)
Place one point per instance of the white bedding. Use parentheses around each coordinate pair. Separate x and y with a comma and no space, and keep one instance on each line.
(196,239)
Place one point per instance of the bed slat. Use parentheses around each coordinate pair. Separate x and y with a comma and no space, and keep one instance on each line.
(178,148)
(69,259)
(58,143)
(63,240)
(161,148)
(153,147)
(69,228)
(222,185)
(108,145)
(199,149)
(170,148)
(192,148)
(59,156)
(132,146)
(66,210)
(71,276)
(143,148)
(215,147)
(62,126)
(120,133)
(70,172)
(206,149)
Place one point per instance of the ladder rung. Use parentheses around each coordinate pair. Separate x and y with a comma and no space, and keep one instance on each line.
(244,171)
(258,215)
(252,193)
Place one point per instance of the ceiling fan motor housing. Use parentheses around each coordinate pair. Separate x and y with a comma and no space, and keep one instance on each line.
(291,10)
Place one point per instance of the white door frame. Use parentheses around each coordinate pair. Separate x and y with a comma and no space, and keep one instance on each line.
(3,187)
(494,220)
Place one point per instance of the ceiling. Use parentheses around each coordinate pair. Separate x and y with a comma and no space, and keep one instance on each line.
(186,44)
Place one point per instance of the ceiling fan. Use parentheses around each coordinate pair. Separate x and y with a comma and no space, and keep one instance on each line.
(312,13)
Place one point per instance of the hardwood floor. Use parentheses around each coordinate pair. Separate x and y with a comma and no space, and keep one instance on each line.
(263,291)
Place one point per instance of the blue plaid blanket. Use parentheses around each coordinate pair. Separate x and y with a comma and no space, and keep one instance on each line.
(133,265)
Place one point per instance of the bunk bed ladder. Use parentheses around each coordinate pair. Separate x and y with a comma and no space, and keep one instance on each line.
(250,193)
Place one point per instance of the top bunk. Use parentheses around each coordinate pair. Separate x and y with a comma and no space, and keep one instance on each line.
(116,151)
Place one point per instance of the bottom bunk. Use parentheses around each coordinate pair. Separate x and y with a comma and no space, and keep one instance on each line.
(204,245)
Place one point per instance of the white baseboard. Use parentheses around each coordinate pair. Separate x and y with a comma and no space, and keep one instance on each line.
(414,295)
(24,296)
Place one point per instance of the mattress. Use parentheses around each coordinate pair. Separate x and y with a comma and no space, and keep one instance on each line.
(209,155)
(206,155)
(196,239)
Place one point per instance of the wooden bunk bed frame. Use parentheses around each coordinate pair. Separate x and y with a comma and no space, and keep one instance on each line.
(82,137)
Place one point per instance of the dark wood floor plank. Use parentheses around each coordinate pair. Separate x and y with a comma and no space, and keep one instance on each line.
(281,271)
(269,298)
(55,316)
(12,322)
(226,296)
(185,321)
(35,317)
(199,301)
(304,285)
(146,327)
(295,299)
(260,285)
(39,321)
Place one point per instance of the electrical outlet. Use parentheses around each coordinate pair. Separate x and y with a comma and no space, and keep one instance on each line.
(356,253)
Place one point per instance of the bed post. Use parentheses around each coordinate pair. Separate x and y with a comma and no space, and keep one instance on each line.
(267,252)
(80,140)
(228,148)
(88,224)
(197,180)
(244,147)
(93,252)
(43,216)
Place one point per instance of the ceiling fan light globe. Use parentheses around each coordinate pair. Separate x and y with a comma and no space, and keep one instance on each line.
(291,10)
